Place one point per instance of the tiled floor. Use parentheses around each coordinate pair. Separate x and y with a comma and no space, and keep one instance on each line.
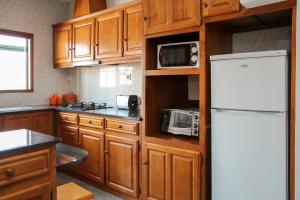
(99,194)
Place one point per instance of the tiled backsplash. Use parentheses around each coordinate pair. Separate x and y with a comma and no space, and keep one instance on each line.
(104,83)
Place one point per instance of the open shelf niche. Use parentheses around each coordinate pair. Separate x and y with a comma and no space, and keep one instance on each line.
(168,89)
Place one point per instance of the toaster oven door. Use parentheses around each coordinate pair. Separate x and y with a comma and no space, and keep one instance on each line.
(177,122)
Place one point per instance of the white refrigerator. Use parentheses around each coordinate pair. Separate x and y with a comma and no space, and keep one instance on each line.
(249,121)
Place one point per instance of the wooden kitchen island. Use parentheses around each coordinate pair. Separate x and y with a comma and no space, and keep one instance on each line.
(27,165)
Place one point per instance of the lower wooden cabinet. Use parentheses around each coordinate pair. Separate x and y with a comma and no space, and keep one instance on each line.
(36,192)
(42,122)
(122,164)
(69,135)
(18,121)
(93,166)
(170,173)
(36,121)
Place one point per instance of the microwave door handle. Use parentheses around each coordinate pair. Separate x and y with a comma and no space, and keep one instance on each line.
(160,57)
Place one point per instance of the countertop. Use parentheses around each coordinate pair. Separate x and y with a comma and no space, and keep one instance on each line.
(17,141)
(109,112)
(68,156)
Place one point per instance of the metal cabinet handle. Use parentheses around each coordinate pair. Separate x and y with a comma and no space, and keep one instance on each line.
(145,18)
(9,172)
(90,122)
(120,126)
(205,4)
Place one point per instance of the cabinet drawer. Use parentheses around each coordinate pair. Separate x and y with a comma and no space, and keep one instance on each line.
(68,117)
(21,167)
(95,122)
(122,126)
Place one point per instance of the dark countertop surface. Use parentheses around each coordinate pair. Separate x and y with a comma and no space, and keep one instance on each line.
(109,112)
(17,141)
(68,156)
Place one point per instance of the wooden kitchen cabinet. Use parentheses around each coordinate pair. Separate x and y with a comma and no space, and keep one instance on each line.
(36,192)
(29,175)
(133,30)
(93,166)
(122,164)
(68,134)
(169,15)
(36,121)
(62,39)
(170,173)
(83,40)
(42,122)
(218,7)
(108,34)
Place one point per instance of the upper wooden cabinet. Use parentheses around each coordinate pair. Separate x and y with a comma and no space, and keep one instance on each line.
(62,45)
(122,164)
(133,30)
(83,40)
(218,7)
(168,15)
(109,35)
(170,173)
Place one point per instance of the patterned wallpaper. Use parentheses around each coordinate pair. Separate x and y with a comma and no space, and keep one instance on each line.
(37,16)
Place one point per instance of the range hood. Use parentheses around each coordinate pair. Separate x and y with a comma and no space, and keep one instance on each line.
(86,7)
(91,63)
(257,3)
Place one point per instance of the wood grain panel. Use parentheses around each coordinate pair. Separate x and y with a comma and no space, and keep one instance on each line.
(218,7)
(122,164)
(83,40)
(109,33)
(133,30)
(35,192)
(25,166)
(93,166)
(62,44)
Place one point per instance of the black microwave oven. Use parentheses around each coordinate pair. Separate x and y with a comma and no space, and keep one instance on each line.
(178,55)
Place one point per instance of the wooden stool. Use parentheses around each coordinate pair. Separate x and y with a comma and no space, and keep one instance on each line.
(72,191)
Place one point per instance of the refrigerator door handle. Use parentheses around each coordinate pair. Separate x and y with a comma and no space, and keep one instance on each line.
(247,111)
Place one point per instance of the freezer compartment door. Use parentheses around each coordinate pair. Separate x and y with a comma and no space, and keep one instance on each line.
(249,156)
(250,83)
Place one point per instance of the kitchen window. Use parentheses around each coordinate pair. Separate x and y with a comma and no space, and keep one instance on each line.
(16,61)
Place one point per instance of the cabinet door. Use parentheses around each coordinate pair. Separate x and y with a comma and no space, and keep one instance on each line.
(157,15)
(42,122)
(37,192)
(18,121)
(93,166)
(109,35)
(184,175)
(155,169)
(170,173)
(133,30)
(62,45)
(122,164)
(83,40)
(217,7)
(68,134)
(186,13)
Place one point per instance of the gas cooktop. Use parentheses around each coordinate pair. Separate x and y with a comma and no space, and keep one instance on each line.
(88,106)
